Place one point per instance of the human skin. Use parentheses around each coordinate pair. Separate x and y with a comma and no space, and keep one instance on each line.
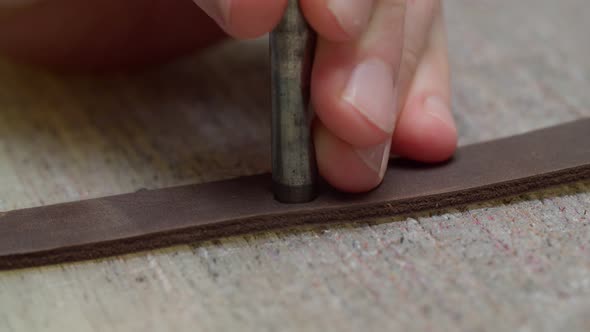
(380,81)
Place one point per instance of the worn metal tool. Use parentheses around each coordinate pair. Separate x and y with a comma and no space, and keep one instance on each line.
(294,170)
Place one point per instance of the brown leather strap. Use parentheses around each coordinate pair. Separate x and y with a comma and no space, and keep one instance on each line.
(152,219)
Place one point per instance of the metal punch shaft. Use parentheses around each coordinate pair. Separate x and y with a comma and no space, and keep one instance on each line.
(294,171)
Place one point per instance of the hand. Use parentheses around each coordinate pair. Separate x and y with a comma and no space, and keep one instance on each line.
(380,79)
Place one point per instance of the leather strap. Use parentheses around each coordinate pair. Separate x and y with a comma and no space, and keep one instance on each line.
(153,219)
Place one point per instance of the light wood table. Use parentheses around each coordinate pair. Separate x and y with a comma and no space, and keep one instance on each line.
(515,264)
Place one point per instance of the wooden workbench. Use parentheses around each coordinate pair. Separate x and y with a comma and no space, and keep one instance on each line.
(521,263)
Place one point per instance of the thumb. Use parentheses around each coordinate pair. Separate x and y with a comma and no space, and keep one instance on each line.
(244,19)
(102,34)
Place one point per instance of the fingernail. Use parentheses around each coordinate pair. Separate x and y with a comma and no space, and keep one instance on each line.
(437,108)
(371,91)
(352,15)
(218,10)
(16,3)
(376,157)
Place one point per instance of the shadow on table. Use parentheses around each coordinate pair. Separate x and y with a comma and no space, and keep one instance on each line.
(201,119)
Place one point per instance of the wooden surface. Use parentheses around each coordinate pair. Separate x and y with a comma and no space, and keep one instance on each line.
(517,264)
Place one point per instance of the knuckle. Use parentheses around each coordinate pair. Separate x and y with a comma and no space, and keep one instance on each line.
(425,10)
(397,8)
(410,59)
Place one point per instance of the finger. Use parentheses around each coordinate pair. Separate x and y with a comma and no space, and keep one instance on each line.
(353,84)
(353,91)
(345,167)
(244,18)
(338,20)
(426,130)
(94,34)
(420,16)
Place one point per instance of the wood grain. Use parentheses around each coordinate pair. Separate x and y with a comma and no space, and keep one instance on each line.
(522,263)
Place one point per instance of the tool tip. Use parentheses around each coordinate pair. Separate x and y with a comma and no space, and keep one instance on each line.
(294,194)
